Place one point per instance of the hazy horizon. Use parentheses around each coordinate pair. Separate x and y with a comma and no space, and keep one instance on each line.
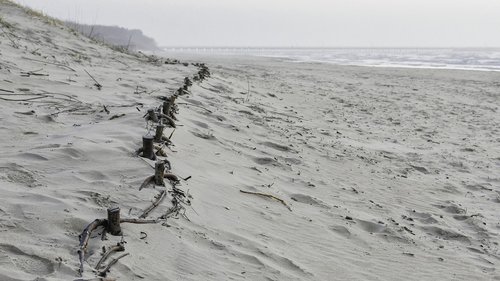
(293,23)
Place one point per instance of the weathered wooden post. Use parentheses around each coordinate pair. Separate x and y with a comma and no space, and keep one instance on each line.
(147,147)
(113,226)
(152,115)
(159,133)
(167,108)
(159,172)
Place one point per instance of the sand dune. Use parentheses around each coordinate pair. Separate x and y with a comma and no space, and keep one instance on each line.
(390,174)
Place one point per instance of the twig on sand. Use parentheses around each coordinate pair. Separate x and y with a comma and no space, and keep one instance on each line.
(194,105)
(117,248)
(53,63)
(155,204)
(104,272)
(268,196)
(97,84)
(8,91)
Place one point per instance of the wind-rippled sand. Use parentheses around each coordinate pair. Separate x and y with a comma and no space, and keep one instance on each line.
(391,174)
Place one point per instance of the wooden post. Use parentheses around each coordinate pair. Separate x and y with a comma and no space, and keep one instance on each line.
(113,226)
(147,147)
(159,133)
(159,172)
(165,106)
(152,115)
(170,104)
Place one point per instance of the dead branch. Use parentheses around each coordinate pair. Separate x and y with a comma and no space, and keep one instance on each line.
(190,104)
(268,196)
(97,84)
(106,270)
(139,221)
(171,177)
(171,134)
(116,116)
(8,91)
(159,199)
(84,239)
(117,248)
(147,181)
(52,63)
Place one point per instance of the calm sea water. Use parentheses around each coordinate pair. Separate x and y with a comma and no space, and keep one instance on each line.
(449,58)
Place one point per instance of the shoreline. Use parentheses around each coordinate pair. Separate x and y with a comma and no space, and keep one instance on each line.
(380,63)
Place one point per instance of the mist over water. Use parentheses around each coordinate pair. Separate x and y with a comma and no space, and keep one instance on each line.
(487,59)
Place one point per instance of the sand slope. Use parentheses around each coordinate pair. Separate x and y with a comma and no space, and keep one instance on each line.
(390,174)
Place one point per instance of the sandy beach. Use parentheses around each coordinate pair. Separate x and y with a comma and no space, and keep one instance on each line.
(376,173)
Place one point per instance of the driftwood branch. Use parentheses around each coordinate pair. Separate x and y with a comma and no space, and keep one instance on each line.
(117,248)
(139,221)
(105,271)
(147,181)
(84,239)
(158,200)
(268,196)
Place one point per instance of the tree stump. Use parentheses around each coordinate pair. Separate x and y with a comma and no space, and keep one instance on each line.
(159,133)
(159,172)
(147,147)
(113,226)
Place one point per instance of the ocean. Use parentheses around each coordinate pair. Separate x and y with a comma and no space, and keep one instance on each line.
(487,59)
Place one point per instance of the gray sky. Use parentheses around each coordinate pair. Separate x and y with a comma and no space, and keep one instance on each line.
(294,23)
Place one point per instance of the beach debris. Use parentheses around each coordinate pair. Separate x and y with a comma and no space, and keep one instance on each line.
(84,240)
(97,84)
(116,116)
(147,181)
(105,271)
(158,199)
(52,63)
(105,109)
(33,73)
(7,91)
(119,247)
(268,196)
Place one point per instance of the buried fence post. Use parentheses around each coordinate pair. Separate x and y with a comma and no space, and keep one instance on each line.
(167,105)
(159,133)
(147,147)
(113,226)
(159,172)
(152,115)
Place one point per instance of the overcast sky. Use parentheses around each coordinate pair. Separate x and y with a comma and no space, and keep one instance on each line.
(294,23)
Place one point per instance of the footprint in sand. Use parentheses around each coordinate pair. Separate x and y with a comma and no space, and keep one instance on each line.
(12,258)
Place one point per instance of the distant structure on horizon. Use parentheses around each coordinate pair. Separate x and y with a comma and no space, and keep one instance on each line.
(130,39)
